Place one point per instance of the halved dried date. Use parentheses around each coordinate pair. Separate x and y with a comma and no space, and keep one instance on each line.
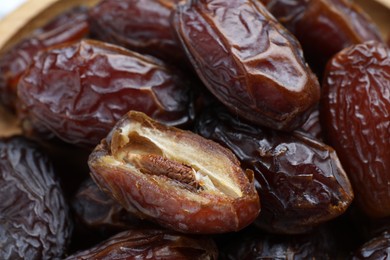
(34,219)
(248,60)
(151,244)
(324,27)
(141,25)
(355,116)
(67,27)
(80,90)
(300,180)
(174,177)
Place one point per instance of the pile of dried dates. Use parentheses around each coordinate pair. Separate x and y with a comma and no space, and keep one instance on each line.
(198,129)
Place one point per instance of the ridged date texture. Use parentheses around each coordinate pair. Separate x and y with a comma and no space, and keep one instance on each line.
(300,181)
(141,25)
(376,248)
(355,116)
(173,177)
(324,27)
(249,61)
(151,244)
(80,90)
(67,27)
(34,220)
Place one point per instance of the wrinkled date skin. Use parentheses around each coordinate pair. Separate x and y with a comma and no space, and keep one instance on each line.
(141,25)
(34,220)
(174,177)
(355,116)
(80,90)
(312,126)
(67,27)
(376,248)
(324,27)
(249,61)
(96,210)
(151,244)
(300,181)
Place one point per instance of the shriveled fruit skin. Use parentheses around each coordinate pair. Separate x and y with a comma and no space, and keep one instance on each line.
(248,60)
(300,180)
(175,178)
(151,244)
(355,116)
(69,26)
(324,27)
(377,247)
(34,219)
(79,91)
(141,25)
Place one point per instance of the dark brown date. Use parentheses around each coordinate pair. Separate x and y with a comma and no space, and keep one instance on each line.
(300,181)
(96,210)
(34,221)
(141,25)
(312,126)
(173,177)
(355,116)
(67,27)
(324,27)
(376,248)
(80,90)
(151,244)
(251,63)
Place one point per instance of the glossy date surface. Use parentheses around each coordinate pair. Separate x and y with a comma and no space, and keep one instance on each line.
(173,177)
(151,244)
(67,27)
(355,115)
(141,25)
(34,217)
(79,91)
(300,180)
(248,60)
(324,27)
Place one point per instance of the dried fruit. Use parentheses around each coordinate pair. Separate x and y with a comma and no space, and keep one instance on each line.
(99,83)
(300,180)
(34,220)
(324,27)
(312,126)
(248,61)
(174,177)
(141,25)
(151,244)
(67,27)
(376,248)
(355,116)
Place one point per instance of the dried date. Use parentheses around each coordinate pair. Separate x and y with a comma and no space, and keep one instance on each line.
(324,27)
(248,60)
(174,177)
(376,248)
(300,180)
(34,219)
(80,90)
(151,244)
(67,27)
(141,25)
(355,116)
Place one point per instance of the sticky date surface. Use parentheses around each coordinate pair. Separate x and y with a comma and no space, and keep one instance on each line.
(174,177)
(151,244)
(80,90)
(356,115)
(67,27)
(248,60)
(34,220)
(300,180)
(141,25)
